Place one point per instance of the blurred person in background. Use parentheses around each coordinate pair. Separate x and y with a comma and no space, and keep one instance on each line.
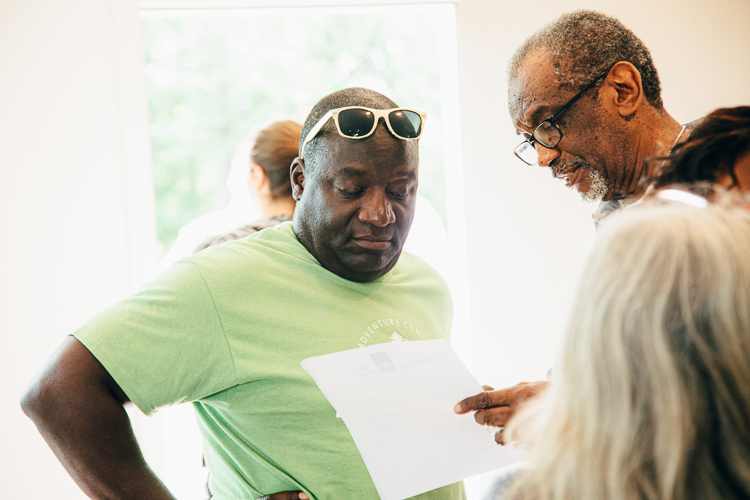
(652,388)
(259,185)
(718,152)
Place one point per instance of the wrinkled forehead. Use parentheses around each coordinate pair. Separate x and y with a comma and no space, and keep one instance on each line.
(534,92)
(380,151)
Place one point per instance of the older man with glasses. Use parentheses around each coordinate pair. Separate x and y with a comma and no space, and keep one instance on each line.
(585,95)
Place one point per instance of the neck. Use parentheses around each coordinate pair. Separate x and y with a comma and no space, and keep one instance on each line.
(275,207)
(655,137)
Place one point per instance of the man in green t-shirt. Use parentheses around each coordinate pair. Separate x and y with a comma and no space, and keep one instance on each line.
(227,328)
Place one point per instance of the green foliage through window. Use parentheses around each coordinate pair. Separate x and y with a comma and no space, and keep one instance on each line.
(211,79)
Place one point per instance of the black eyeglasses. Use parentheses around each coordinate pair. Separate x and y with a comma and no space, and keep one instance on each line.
(547,133)
(358,122)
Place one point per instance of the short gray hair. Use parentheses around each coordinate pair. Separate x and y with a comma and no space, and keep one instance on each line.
(585,43)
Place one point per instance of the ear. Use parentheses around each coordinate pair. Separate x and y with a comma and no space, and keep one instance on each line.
(625,80)
(257,178)
(297,175)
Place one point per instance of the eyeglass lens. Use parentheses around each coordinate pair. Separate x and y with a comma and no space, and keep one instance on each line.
(527,152)
(547,134)
(355,122)
(405,124)
(359,122)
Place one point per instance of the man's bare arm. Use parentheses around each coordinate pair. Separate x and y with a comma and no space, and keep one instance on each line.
(78,409)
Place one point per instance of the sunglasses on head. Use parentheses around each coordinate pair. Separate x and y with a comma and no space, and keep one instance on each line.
(357,122)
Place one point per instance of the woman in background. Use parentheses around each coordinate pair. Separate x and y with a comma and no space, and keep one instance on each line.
(651,398)
(260,187)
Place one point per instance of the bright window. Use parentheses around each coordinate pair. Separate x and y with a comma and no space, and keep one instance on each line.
(214,75)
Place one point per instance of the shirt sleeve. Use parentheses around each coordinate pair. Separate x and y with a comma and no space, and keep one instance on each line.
(165,344)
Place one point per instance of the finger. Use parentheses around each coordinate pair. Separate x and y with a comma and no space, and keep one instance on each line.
(495,417)
(499,437)
(286,495)
(484,400)
(487,388)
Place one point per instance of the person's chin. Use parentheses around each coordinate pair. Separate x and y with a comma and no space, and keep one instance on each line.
(591,186)
(371,262)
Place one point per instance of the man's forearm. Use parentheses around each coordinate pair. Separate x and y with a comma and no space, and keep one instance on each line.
(89,430)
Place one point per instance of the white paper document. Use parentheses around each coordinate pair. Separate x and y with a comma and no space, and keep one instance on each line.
(397,401)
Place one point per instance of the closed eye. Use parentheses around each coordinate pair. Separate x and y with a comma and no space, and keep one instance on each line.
(351,193)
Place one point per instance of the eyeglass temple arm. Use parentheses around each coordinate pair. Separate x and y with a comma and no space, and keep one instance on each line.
(575,98)
(315,131)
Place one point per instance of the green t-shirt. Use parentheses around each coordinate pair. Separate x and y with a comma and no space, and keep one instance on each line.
(226,329)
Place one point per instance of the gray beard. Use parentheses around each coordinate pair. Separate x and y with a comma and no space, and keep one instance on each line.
(598,186)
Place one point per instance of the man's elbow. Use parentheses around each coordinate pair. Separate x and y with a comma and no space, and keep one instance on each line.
(38,398)
(30,400)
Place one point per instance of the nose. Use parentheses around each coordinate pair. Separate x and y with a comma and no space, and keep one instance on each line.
(377,210)
(546,155)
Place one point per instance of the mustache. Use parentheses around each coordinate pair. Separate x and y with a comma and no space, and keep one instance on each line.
(570,164)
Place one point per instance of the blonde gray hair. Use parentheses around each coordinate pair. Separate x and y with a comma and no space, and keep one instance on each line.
(651,397)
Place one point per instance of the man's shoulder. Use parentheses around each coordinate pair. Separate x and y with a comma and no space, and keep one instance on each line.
(274,239)
(243,231)
(267,251)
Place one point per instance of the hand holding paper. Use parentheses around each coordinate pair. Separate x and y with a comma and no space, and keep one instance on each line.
(397,401)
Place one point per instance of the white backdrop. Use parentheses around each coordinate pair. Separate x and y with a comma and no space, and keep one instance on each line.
(76,211)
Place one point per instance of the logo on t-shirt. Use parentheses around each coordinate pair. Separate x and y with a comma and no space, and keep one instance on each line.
(400,331)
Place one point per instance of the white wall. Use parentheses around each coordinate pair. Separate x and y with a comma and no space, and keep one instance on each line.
(526,233)
(74,205)
(75,201)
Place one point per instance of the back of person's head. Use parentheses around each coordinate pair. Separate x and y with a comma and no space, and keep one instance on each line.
(354,96)
(651,395)
(274,150)
(713,148)
(583,44)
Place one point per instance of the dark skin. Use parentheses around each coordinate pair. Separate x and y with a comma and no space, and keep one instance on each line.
(355,212)
(356,205)
(614,134)
(79,410)
(495,408)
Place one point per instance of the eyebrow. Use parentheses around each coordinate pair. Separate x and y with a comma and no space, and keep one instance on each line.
(361,172)
(352,172)
(541,113)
